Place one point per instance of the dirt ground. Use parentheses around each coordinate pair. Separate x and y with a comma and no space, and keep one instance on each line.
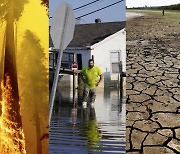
(153,85)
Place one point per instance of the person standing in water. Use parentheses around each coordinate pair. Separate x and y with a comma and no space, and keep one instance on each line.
(91,75)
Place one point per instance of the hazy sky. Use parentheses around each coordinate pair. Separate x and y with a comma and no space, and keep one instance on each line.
(113,13)
(136,3)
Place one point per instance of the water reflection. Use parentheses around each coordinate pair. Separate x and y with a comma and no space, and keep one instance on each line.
(90,130)
(93,130)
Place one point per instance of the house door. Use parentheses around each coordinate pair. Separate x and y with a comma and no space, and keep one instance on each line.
(79,61)
(115,61)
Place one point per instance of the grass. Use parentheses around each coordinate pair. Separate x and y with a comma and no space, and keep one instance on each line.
(169,14)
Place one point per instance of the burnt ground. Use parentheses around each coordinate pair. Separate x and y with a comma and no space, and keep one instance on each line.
(153,85)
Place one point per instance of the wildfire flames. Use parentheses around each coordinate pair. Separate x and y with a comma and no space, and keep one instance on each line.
(12,140)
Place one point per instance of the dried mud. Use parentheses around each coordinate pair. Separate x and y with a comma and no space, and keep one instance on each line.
(153,85)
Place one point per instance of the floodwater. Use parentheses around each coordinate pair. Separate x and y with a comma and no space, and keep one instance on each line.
(74,130)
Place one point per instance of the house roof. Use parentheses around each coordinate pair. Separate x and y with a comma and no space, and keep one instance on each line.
(89,34)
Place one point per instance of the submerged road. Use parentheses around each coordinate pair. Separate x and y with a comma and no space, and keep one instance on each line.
(98,130)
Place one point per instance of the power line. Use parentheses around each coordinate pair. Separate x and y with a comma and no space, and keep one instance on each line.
(86,5)
(80,7)
(99,9)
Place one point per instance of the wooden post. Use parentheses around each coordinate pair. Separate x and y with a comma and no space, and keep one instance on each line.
(74,79)
(74,87)
(53,64)
(74,58)
(121,80)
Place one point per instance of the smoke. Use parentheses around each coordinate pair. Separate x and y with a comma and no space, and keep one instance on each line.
(6,6)
(27,68)
(33,85)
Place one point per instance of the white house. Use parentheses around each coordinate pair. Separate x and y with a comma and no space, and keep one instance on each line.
(105,42)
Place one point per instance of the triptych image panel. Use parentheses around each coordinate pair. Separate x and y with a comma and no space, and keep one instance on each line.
(85,77)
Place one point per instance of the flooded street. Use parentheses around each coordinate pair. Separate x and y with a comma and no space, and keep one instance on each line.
(93,130)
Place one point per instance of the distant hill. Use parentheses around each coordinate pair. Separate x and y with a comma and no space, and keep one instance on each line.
(170,7)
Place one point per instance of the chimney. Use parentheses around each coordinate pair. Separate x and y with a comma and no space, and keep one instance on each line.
(97,20)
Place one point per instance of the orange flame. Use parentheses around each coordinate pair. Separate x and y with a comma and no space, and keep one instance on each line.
(12,140)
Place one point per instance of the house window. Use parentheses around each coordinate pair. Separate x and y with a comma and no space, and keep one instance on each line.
(79,61)
(115,61)
(53,54)
(67,60)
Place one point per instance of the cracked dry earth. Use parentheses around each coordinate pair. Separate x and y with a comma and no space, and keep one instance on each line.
(153,85)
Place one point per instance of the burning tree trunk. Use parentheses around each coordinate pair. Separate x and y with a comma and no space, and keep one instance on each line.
(12,137)
(10,69)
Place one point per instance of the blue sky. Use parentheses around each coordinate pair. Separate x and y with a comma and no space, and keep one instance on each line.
(113,13)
